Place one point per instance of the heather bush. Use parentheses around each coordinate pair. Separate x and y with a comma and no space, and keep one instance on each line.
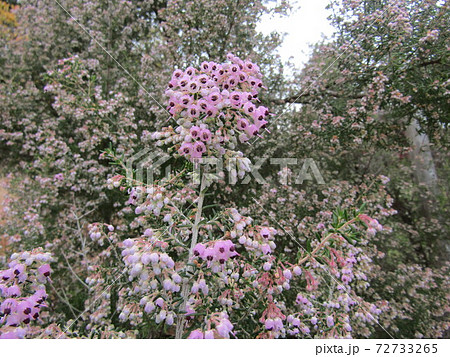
(202,253)
(223,275)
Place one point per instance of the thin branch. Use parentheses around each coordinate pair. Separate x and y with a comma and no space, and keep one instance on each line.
(65,300)
(73,272)
(195,229)
(326,239)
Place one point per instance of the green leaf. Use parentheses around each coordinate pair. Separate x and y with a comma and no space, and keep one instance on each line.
(346,215)
(308,246)
(348,239)
(363,206)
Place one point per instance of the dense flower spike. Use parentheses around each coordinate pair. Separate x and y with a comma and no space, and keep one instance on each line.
(215,108)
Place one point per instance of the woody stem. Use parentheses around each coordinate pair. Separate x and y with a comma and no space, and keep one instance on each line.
(185,287)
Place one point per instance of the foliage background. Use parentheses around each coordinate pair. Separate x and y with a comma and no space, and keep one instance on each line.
(65,100)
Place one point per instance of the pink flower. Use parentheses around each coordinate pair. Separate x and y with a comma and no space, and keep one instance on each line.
(149,307)
(44,270)
(196,334)
(234,68)
(249,107)
(199,149)
(193,86)
(167,284)
(205,66)
(25,307)
(287,274)
(178,73)
(185,149)
(254,82)
(211,110)
(242,77)
(195,132)
(18,269)
(224,250)
(39,296)
(159,302)
(58,177)
(145,258)
(242,124)
(7,274)
(199,249)
(265,233)
(220,247)
(266,248)
(154,257)
(252,130)
(224,328)
(209,254)
(190,71)
(235,99)
(213,66)
(205,135)
(183,82)
(186,100)
(214,98)
(193,111)
(305,329)
(8,306)
(202,104)
(173,83)
(261,124)
(297,271)
(13,291)
(250,66)
(269,324)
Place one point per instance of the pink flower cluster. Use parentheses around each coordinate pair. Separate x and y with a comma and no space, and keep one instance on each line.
(17,310)
(255,239)
(373,226)
(154,276)
(214,106)
(22,292)
(223,328)
(273,318)
(219,251)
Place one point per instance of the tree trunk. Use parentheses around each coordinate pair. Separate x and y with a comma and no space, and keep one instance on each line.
(425,174)
(421,157)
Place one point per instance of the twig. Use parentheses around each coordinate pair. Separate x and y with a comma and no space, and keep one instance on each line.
(73,272)
(195,228)
(322,243)
(65,300)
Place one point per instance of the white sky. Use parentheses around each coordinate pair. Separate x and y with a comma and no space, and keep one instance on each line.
(305,26)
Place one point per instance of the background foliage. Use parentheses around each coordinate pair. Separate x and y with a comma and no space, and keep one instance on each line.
(370,107)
